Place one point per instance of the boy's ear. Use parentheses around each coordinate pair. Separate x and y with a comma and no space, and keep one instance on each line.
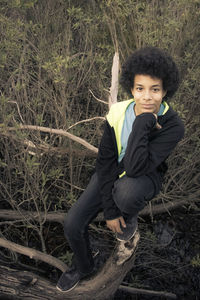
(132,91)
(164,93)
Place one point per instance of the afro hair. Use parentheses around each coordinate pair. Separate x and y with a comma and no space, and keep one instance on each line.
(154,62)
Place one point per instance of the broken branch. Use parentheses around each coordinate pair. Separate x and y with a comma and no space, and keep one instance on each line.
(55,131)
(32,253)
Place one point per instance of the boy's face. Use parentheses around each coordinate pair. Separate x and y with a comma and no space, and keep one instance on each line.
(148,94)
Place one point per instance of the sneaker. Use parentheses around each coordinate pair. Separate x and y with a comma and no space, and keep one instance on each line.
(129,231)
(69,279)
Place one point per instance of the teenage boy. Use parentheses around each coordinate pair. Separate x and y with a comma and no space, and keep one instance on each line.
(139,135)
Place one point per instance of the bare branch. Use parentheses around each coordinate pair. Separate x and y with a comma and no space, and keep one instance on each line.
(55,131)
(32,253)
(86,120)
(135,291)
(102,101)
(47,148)
(58,216)
(7,214)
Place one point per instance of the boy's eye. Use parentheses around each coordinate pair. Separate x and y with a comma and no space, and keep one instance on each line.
(156,90)
(139,88)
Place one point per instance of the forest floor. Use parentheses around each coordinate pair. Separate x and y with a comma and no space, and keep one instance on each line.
(168,257)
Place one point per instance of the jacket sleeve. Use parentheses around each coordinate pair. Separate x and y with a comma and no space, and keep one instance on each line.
(106,168)
(144,154)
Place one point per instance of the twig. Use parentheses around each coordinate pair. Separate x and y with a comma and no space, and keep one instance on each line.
(102,101)
(35,254)
(11,222)
(7,214)
(17,110)
(135,291)
(86,120)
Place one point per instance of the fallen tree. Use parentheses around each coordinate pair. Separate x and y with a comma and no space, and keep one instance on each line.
(16,284)
(151,209)
(102,286)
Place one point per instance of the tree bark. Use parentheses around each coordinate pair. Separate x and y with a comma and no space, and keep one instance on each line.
(114,82)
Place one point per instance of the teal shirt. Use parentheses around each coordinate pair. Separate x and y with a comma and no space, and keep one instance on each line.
(127,126)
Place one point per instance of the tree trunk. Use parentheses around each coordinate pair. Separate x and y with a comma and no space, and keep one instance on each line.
(17,284)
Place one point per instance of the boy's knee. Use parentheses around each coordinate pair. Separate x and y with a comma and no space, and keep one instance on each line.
(129,195)
(129,202)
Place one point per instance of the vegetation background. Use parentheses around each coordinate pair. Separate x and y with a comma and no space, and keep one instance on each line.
(55,56)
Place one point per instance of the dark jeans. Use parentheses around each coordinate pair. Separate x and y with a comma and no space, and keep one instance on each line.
(129,194)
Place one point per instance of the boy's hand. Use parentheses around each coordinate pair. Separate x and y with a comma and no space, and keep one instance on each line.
(114,225)
(158,126)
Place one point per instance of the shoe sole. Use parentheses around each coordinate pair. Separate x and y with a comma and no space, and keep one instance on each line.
(121,240)
(63,291)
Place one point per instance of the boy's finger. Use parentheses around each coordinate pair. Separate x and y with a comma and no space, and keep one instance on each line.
(118,228)
(122,222)
(158,126)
